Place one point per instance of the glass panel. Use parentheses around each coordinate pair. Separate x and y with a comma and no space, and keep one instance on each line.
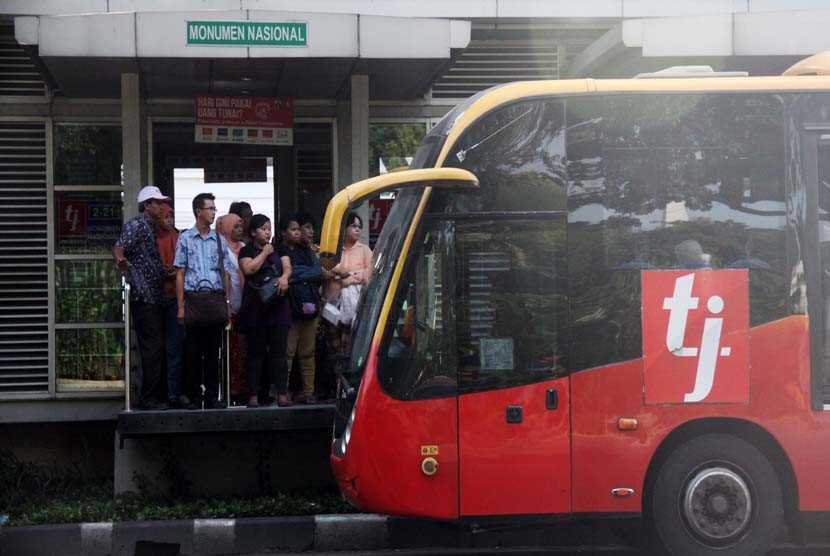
(88,155)
(90,359)
(384,259)
(419,359)
(670,181)
(88,222)
(518,155)
(393,145)
(512,302)
(824,244)
(481,303)
(88,291)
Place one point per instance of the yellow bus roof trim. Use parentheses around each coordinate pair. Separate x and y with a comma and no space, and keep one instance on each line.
(530,89)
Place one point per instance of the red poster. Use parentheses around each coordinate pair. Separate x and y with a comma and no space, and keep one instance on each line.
(244,111)
(231,119)
(72,218)
(378,211)
(696,336)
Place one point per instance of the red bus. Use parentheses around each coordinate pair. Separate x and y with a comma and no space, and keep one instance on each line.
(602,298)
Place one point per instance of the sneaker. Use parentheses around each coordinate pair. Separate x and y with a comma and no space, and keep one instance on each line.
(312,399)
(215,404)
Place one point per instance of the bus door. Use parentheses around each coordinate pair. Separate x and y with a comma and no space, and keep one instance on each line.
(817,177)
(513,405)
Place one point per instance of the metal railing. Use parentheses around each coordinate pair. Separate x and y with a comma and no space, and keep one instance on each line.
(127,350)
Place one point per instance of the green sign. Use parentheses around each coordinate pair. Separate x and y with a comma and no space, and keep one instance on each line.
(246,33)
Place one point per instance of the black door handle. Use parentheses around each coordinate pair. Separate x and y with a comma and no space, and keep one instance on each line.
(552,398)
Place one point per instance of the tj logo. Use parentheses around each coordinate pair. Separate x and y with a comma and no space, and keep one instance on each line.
(679,306)
(70,218)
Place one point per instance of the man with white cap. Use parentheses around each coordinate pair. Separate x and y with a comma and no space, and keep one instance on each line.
(136,255)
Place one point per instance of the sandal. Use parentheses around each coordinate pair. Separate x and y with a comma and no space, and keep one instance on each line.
(283,401)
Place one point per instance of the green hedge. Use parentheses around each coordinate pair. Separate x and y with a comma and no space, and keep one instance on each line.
(37,495)
(101,506)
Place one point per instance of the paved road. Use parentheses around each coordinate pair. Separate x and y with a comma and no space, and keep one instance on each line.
(818,550)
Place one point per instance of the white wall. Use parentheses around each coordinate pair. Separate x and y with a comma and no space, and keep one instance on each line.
(190,182)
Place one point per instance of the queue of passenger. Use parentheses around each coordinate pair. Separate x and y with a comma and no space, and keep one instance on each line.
(186,287)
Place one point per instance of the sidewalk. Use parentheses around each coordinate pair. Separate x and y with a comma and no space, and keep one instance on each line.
(216,537)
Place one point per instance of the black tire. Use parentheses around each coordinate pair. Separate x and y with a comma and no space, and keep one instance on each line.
(716,495)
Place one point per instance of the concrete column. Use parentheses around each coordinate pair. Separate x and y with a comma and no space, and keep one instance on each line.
(359,104)
(344,149)
(286,185)
(133,141)
(359,124)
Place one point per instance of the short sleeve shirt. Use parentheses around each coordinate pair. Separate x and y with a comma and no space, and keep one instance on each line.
(199,256)
(253,312)
(146,275)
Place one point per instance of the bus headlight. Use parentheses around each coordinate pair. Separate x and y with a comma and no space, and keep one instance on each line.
(347,432)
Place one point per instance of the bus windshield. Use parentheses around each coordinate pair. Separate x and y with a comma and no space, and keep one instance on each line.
(386,253)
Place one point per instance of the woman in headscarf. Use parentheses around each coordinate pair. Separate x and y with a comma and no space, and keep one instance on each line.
(231,227)
(166,238)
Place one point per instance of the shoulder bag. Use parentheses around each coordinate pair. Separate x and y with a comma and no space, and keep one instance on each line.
(207,306)
(266,287)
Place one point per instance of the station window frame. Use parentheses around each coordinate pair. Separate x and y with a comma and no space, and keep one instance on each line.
(54,189)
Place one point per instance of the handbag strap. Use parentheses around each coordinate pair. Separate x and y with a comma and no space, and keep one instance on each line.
(221,268)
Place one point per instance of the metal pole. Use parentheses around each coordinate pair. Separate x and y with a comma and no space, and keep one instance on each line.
(127,332)
(228,364)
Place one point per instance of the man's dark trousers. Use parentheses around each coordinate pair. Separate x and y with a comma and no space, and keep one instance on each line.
(202,345)
(148,322)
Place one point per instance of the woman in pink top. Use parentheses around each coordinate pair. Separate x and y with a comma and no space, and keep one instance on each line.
(350,275)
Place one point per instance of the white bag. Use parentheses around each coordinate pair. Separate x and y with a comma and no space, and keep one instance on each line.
(349,296)
(331,313)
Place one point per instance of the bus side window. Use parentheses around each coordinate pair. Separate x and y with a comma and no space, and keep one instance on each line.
(671,181)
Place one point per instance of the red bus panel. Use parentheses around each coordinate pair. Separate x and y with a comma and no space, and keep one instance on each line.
(381,471)
(520,467)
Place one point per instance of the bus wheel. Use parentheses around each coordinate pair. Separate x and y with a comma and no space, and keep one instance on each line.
(717,494)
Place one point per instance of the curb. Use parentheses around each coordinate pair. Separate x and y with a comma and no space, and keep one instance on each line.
(269,535)
(202,537)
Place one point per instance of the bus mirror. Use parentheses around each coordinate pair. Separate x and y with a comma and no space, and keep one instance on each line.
(348,198)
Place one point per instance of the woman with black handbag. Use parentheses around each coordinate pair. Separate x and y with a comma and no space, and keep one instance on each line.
(265,315)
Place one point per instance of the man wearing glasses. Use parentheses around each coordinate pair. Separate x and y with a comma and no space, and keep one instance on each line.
(198,268)
(136,255)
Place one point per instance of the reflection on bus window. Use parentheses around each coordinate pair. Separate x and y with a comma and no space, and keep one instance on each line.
(512,302)
(670,181)
(518,155)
